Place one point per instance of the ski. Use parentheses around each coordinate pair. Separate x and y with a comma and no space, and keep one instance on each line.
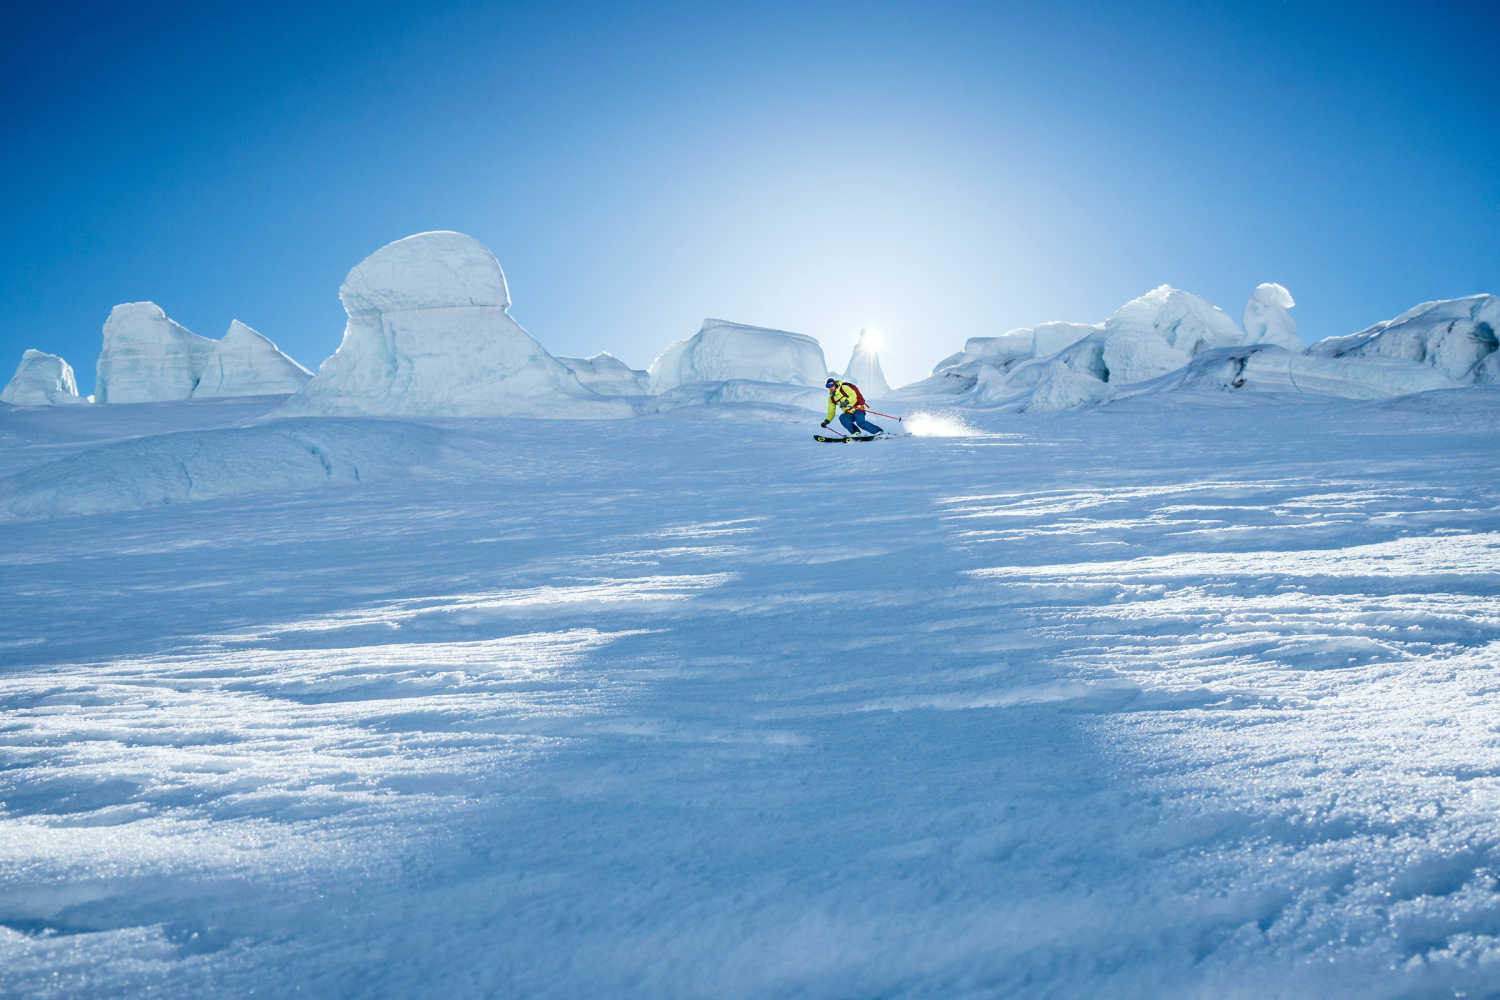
(840,440)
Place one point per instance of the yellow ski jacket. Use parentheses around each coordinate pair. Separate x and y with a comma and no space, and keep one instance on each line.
(847,396)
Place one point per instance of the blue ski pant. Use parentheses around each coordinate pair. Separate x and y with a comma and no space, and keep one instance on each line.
(853,421)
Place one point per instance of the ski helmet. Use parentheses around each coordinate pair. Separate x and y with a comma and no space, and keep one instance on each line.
(831,382)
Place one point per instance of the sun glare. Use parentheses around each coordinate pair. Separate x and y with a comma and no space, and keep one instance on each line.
(872,338)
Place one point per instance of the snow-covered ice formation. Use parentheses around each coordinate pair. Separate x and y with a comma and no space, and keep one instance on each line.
(41,379)
(864,367)
(1457,337)
(1267,320)
(147,357)
(150,358)
(608,375)
(430,334)
(721,351)
(1267,368)
(246,363)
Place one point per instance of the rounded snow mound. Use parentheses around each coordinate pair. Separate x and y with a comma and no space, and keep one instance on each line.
(721,351)
(187,466)
(426,271)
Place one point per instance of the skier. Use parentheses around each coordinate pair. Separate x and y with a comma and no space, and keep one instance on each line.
(848,396)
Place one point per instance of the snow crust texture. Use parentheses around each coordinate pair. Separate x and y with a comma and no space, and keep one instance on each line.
(1174,699)
(721,351)
(429,335)
(41,380)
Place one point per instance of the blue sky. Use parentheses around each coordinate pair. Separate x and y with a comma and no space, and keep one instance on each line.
(935,170)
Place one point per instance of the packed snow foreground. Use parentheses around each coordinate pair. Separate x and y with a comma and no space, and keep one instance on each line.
(1168,699)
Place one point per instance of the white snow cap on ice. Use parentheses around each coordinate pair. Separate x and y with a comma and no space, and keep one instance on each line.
(148,358)
(721,351)
(429,334)
(1267,320)
(41,379)
(864,367)
(427,271)
(246,363)
(608,375)
(1458,337)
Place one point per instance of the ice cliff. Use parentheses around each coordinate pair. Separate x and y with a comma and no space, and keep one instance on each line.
(148,358)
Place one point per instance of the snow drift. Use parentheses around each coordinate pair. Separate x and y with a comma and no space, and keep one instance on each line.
(721,351)
(41,379)
(176,468)
(1456,337)
(430,334)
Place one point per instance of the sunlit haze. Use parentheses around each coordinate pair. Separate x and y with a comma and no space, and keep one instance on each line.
(938,171)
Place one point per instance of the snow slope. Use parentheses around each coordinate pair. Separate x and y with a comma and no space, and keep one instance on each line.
(1162,699)
(41,379)
(430,334)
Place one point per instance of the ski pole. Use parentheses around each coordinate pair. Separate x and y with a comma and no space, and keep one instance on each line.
(879,414)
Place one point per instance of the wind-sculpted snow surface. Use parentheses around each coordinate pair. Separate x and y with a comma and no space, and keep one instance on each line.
(1166,700)
(1457,337)
(721,351)
(41,379)
(166,469)
(429,335)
